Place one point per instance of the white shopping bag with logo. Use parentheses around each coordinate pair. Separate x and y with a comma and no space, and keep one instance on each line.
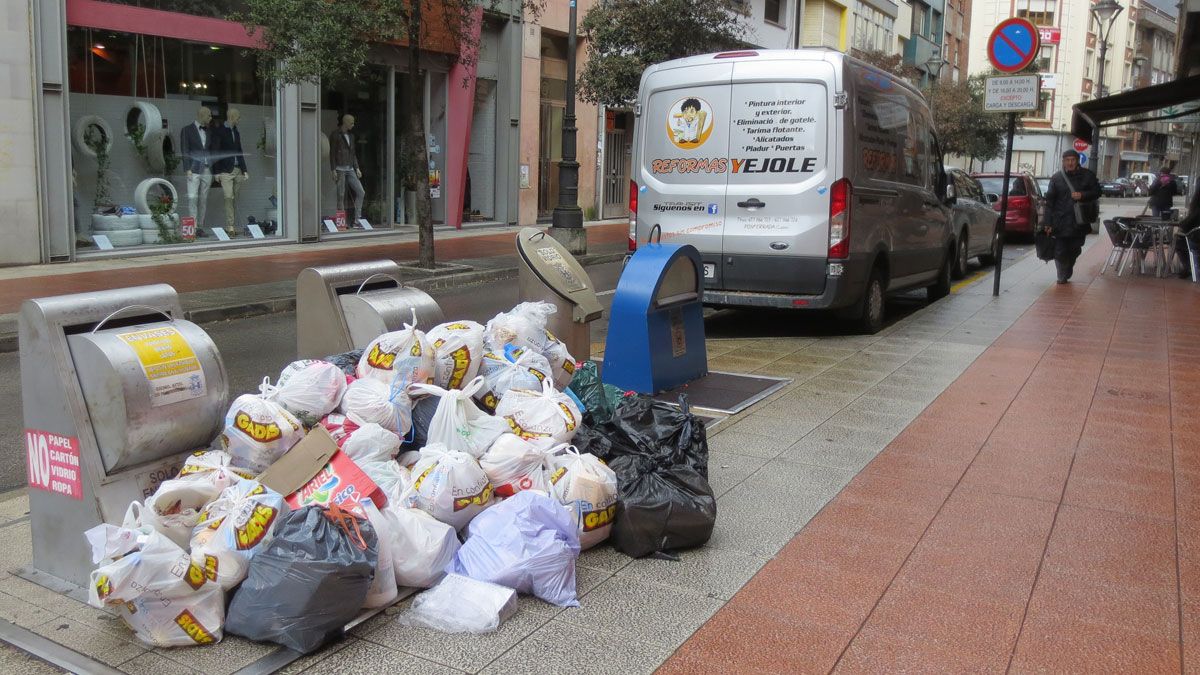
(193,618)
(458,423)
(310,389)
(539,415)
(368,400)
(399,358)
(233,528)
(258,431)
(458,349)
(511,368)
(450,486)
(588,488)
(514,464)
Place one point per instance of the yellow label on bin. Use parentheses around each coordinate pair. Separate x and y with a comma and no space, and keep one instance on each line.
(169,363)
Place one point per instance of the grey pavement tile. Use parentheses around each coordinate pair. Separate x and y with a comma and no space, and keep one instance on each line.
(734,440)
(667,615)
(305,662)
(728,469)
(850,371)
(766,351)
(833,454)
(30,592)
(778,427)
(150,663)
(99,645)
(13,661)
(717,573)
(367,658)
(22,613)
(14,507)
(796,371)
(926,393)
(559,647)
(748,531)
(783,491)
(586,578)
(464,651)
(860,417)
(909,405)
(831,384)
(231,654)
(808,357)
(18,549)
(604,557)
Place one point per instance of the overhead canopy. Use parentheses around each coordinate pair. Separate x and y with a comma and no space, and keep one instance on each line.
(1144,105)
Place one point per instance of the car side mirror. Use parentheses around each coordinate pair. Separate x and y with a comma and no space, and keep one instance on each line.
(951,193)
(992,197)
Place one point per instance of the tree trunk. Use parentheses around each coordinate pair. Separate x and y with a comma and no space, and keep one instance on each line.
(416,128)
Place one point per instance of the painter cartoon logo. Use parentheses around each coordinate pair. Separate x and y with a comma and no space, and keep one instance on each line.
(689,123)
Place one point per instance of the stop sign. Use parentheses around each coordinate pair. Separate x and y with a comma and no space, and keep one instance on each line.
(1081,145)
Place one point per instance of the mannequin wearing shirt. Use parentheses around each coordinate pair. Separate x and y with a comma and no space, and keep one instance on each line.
(344,163)
(197,142)
(230,166)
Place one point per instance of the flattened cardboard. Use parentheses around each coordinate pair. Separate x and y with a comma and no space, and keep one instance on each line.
(298,466)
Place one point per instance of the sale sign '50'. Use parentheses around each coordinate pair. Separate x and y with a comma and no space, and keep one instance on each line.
(53,463)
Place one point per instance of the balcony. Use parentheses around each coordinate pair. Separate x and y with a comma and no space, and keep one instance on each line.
(1150,16)
(919,50)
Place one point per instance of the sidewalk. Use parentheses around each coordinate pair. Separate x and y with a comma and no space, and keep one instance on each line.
(225,284)
(1039,515)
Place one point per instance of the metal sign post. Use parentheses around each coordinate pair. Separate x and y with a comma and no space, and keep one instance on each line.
(1012,46)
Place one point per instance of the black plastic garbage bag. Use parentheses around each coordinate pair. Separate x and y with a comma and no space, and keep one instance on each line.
(601,400)
(661,507)
(422,414)
(1043,244)
(311,580)
(644,426)
(347,361)
(591,438)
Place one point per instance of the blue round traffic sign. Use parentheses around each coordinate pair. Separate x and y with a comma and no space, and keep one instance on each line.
(1013,45)
(1082,159)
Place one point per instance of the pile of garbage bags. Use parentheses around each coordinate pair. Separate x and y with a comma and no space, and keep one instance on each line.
(473,460)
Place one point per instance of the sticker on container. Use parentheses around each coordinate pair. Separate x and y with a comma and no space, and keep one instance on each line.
(53,463)
(554,259)
(170,365)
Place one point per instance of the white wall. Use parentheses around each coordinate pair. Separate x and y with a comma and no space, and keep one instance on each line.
(768,35)
(19,228)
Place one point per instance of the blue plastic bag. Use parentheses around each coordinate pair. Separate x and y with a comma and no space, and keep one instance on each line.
(528,543)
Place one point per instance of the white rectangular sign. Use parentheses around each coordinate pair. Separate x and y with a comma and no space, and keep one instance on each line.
(364,224)
(330,225)
(1018,93)
(220,233)
(255,231)
(102,242)
(1049,81)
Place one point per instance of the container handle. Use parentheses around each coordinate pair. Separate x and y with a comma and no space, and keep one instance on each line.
(368,280)
(110,316)
(538,236)
(650,236)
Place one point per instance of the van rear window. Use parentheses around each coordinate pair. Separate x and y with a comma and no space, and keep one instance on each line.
(777,132)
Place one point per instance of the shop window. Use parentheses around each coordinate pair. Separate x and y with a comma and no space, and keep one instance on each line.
(354,142)
(772,11)
(172,140)
(219,9)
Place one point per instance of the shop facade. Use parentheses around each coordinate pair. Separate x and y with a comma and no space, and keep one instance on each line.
(155,132)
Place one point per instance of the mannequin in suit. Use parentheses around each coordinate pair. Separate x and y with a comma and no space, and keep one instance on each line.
(197,142)
(230,165)
(344,163)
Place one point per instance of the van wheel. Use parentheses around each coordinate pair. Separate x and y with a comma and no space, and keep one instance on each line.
(941,289)
(871,311)
(960,261)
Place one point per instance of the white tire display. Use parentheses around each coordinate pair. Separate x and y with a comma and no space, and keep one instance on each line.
(81,127)
(147,114)
(110,223)
(142,192)
(158,142)
(120,238)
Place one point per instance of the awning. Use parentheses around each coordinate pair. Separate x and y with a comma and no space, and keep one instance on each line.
(1144,105)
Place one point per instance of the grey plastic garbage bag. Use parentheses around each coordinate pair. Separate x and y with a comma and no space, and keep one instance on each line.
(310,581)
(529,543)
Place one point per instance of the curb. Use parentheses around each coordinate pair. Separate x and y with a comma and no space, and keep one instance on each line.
(203,315)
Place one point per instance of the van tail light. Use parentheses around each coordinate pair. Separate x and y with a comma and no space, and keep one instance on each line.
(839,219)
(736,55)
(633,199)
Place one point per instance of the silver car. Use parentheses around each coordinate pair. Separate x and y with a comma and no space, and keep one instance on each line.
(977,229)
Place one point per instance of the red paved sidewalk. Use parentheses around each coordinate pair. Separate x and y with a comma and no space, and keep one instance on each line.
(227,272)
(1043,514)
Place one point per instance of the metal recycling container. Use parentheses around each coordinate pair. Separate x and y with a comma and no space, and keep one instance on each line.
(549,273)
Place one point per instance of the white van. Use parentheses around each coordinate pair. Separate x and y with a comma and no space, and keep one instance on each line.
(805,178)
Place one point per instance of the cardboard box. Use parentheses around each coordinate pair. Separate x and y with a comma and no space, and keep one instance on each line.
(314,471)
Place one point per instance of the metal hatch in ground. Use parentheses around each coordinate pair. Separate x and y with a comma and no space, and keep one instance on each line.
(724,393)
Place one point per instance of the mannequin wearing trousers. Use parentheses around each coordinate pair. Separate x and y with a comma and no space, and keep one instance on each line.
(344,163)
(197,143)
(231,166)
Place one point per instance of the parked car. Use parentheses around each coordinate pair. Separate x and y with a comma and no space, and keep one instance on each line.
(820,212)
(977,229)
(1141,183)
(1043,183)
(1025,200)
(1117,187)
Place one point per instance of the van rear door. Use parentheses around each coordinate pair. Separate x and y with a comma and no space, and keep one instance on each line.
(683,157)
(782,134)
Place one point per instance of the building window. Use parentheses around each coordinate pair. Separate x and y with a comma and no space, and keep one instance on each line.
(772,11)
(920,20)
(1046,59)
(173,140)
(1045,106)
(1038,17)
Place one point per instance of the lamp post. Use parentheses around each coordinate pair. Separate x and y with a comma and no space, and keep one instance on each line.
(934,67)
(1105,13)
(566,224)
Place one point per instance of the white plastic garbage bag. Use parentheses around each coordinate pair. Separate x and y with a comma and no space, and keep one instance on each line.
(399,358)
(154,566)
(383,591)
(194,617)
(423,546)
(234,528)
(457,348)
(310,389)
(174,509)
(208,461)
(392,478)
(525,326)
(370,400)
(370,443)
(460,604)
(511,368)
(588,488)
(458,423)
(527,543)
(514,464)
(544,414)
(258,431)
(450,485)
(339,425)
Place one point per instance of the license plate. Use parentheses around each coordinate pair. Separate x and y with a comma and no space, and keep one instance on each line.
(710,270)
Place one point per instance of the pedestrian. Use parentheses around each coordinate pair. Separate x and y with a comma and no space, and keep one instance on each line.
(1071,208)
(1162,193)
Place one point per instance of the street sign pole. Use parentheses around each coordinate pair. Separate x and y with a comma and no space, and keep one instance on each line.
(1012,129)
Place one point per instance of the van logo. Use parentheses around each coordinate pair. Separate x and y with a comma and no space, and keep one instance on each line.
(779,245)
(689,122)
(712,209)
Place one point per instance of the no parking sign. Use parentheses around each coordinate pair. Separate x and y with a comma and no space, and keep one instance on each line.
(1013,45)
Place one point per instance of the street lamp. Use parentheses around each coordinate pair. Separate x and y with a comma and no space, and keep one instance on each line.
(566,224)
(934,67)
(1105,13)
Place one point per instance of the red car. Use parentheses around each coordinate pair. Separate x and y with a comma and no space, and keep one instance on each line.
(1025,200)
